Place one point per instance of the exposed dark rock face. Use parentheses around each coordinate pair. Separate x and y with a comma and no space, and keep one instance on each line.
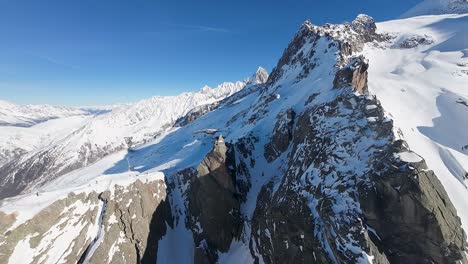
(282,135)
(213,205)
(285,229)
(354,74)
(196,113)
(405,206)
(415,41)
(125,226)
(412,214)
(313,213)
(462,102)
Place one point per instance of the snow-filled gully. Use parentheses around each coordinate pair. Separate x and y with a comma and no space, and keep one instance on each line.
(99,236)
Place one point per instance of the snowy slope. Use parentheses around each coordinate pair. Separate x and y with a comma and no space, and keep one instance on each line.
(29,115)
(17,140)
(438,7)
(30,127)
(425,91)
(86,142)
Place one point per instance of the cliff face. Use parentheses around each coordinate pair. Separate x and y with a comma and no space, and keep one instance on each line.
(88,228)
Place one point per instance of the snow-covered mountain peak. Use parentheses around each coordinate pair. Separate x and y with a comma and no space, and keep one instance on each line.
(306,24)
(205,89)
(361,24)
(364,24)
(312,39)
(438,7)
(222,89)
(260,76)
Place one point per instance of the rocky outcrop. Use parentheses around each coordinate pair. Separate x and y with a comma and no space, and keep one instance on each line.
(415,41)
(411,213)
(195,113)
(354,74)
(10,154)
(68,227)
(313,216)
(284,229)
(349,38)
(281,136)
(213,205)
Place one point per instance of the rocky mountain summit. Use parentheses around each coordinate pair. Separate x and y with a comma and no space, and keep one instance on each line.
(306,165)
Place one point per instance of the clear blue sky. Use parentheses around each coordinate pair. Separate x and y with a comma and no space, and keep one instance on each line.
(89,52)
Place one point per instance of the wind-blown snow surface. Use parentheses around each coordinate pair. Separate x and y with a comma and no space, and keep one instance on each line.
(437,7)
(425,91)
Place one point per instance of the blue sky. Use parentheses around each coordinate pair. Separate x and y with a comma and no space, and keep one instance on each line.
(92,52)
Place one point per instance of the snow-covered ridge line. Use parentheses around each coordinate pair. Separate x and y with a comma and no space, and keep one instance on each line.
(437,7)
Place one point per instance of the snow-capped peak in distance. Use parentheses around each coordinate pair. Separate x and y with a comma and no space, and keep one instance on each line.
(438,7)
(260,76)
(221,88)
